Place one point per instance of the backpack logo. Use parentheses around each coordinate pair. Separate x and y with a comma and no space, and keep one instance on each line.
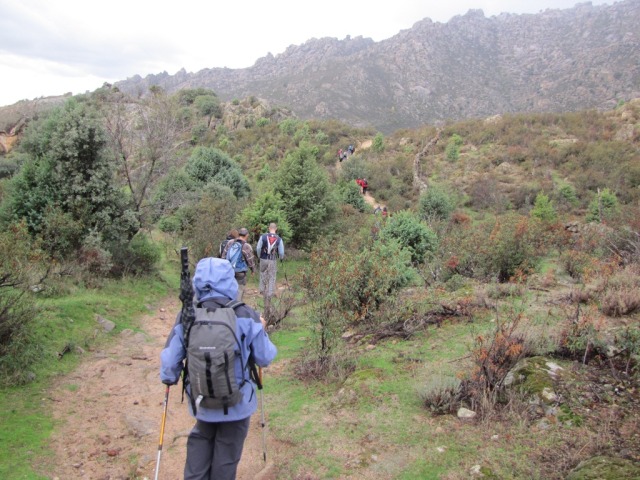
(211,359)
(271,244)
(236,258)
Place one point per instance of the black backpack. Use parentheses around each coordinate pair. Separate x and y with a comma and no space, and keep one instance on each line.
(211,355)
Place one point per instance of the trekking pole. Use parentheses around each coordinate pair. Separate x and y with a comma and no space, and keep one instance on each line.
(286,279)
(164,419)
(262,418)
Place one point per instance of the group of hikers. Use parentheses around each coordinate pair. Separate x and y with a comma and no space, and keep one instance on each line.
(239,252)
(344,154)
(381,210)
(220,379)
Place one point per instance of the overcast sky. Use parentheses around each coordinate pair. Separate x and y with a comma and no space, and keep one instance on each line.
(50,47)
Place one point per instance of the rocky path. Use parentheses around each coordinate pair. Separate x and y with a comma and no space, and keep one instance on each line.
(109,410)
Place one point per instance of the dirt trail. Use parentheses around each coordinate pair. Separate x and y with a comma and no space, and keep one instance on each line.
(108,412)
(367,196)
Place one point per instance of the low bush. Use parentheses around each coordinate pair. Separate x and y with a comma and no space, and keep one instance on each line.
(138,257)
(621,292)
(441,395)
(21,267)
(493,356)
(582,337)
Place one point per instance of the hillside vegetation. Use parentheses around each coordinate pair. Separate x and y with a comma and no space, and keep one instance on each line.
(487,327)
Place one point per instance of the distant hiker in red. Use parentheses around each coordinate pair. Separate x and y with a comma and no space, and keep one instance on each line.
(359,182)
(384,212)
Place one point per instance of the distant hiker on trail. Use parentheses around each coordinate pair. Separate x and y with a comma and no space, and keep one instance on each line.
(377,210)
(232,235)
(351,149)
(364,185)
(340,154)
(240,255)
(384,212)
(269,247)
(214,446)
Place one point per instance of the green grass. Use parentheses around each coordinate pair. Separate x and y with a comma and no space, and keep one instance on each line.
(315,417)
(69,320)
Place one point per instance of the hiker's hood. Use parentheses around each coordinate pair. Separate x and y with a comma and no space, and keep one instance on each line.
(214,277)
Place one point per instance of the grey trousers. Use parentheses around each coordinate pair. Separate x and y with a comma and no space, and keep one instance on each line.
(241,278)
(268,271)
(214,450)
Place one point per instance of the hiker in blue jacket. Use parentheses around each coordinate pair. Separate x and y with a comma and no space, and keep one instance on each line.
(214,446)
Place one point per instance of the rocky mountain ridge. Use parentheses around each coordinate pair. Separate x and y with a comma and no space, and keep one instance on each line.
(472,66)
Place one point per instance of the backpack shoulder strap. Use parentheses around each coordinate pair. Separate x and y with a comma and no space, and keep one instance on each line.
(233,304)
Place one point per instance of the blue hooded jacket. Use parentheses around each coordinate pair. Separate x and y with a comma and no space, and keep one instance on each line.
(214,282)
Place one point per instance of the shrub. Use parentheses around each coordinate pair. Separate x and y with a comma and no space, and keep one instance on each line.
(308,197)
(604,206)
(288,126)
(628,341)
(511,248)
(61,233)
(211,165)
(350,194)
(410,232)
(620,302)
(543,209)
(207,222)
(265,209)
(66,187)
(567,195)
(436,203)
(93,257)
(378,143)
(579,265)
(20,265)
(354,167)
(354,286)
(170,224)
(582,338)
(198,132)
(137,257)
(452,150)
(621,292)
(441,395)
(493,356)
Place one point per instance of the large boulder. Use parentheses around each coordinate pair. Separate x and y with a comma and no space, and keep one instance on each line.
(534,376)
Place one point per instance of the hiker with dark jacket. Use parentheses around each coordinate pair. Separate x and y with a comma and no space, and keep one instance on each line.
(232,235)
(270,247)
(249,259)
(214,446)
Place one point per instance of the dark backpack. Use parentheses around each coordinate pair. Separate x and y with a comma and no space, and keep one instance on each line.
(270,244)
(236,258)
(222,245)
(212,348)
